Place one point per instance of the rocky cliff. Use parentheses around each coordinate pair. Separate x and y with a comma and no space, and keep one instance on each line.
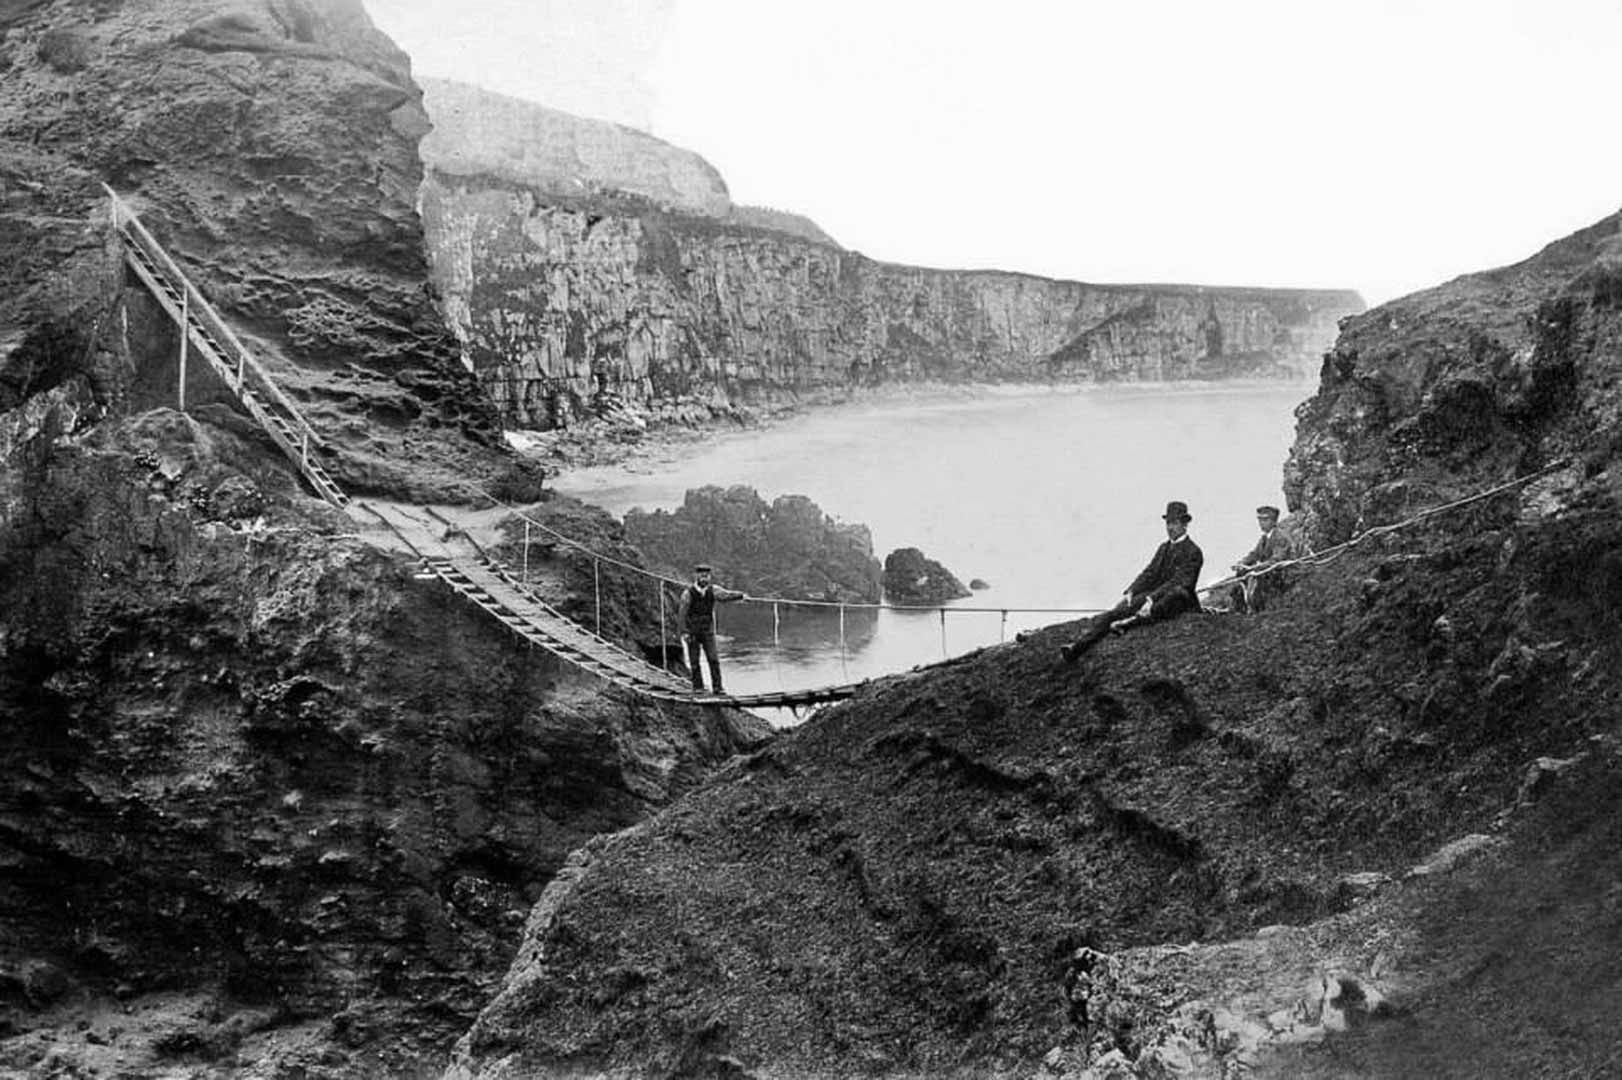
(271,145)
(269,804)
(1371,832)
(580,281)
(264,797)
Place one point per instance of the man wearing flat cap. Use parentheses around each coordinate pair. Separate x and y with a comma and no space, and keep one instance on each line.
(696,617)
(1259,582)
(1164,590)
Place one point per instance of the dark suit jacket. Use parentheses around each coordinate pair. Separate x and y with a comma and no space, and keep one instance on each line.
(1174,569)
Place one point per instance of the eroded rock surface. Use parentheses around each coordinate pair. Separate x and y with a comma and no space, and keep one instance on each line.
(271,146)
(250,761)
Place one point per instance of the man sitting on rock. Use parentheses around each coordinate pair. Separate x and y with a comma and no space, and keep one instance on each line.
(696,617)
(1259,583)
(1164,590)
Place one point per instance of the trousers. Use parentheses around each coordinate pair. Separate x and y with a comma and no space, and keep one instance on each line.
(1167,607)
(701,645)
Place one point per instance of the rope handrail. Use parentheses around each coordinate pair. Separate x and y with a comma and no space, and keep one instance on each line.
(1315,559)
(204,311)
(848,605)
(1330,554)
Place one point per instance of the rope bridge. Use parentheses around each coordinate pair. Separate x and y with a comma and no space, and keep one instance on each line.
(474,574)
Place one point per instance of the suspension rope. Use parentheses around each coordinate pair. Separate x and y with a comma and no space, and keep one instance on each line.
(1330,554)
(843,669)
(1315,559)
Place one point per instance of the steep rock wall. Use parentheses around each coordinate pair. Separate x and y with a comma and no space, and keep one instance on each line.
(1393,794)
(271,145)
(626,294)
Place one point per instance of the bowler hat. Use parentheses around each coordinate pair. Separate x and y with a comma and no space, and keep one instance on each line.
(701,568)
(1177,511)
(1270,511)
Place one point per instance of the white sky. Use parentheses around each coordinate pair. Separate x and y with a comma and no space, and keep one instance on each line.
(1383,146)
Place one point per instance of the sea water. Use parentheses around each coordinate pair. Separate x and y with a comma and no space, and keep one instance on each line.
(1053,496)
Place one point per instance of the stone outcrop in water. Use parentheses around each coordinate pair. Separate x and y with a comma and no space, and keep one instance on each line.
(787,547)
(911,577)
(271,146)
(582,280)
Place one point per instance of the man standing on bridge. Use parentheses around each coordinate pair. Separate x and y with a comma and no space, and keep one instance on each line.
(696,617)
(1164,590)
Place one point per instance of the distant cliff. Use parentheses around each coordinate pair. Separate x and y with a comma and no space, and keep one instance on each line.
(585,265)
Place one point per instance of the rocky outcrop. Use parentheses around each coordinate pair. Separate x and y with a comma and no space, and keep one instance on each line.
(624,291)
(910,577)
(787,548)
(251,765)
(1473,383)
(271,146)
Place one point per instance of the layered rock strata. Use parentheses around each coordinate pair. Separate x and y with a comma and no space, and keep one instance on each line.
(580,281)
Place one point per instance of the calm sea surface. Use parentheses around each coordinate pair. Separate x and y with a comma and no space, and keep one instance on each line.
(1053,496)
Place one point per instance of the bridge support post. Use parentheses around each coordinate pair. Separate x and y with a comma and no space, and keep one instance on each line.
(185,340)
(664,649)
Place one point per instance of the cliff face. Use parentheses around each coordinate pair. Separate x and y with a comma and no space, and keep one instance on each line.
(271,145)
(1472,383)
(615,291)
(1341,838)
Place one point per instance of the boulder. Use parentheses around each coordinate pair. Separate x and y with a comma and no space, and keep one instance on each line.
(787,548)
(911,577)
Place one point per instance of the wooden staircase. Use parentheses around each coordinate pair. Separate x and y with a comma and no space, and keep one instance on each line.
(204,333)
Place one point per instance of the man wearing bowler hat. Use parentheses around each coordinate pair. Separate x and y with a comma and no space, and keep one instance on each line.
(696,617)
(1164,590)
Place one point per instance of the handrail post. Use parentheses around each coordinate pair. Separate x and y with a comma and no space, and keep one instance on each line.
(185,339)
(664,647)
(304,450)
(526,553)
(597,587)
